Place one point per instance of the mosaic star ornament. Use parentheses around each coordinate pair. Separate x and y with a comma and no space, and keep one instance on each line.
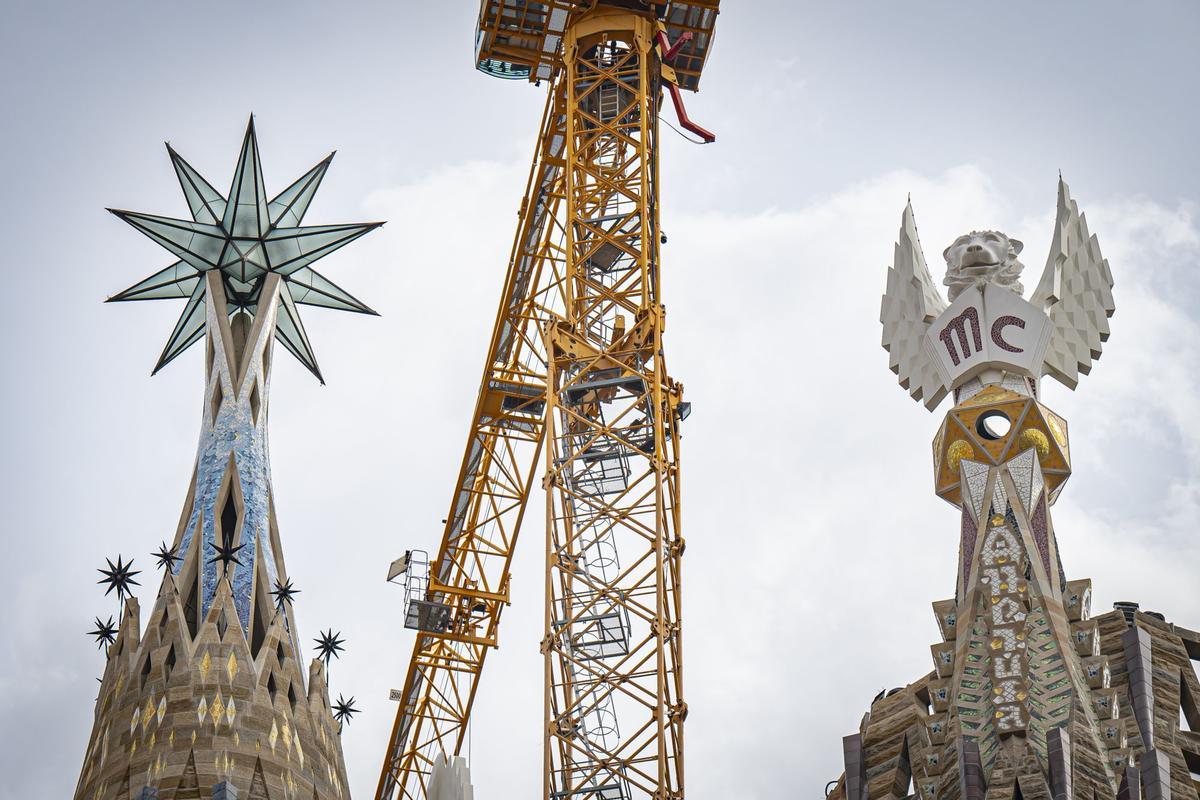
(245,236)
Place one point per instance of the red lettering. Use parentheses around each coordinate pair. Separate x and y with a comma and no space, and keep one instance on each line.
(998,332)
(958,326)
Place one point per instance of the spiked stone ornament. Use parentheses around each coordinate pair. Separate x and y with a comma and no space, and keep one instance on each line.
(165,557)
(245,237)
(283,593)
(119,577)
(226,554)
(106,633)
(343,710)
(329,645)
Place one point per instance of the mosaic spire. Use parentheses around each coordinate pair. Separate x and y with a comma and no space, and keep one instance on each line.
(1029,696)
(213,692)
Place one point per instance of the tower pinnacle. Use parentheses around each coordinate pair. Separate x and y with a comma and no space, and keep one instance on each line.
(1029,696)
(212,693)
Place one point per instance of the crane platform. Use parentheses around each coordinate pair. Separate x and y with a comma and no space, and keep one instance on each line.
(522,39)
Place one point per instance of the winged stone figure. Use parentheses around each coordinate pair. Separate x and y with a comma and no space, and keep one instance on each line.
(935,346)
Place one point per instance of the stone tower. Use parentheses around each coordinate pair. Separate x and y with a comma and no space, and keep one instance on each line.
(1029,696)
(211,697)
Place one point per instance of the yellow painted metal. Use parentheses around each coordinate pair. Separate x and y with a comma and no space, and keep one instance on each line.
(614,707)
(471,569)
(576,370)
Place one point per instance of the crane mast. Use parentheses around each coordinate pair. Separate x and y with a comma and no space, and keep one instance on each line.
(612,644)
(575,372)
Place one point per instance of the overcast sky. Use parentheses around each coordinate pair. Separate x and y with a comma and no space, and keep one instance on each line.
(815,543)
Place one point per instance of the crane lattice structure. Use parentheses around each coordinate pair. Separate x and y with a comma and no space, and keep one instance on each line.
(575,372)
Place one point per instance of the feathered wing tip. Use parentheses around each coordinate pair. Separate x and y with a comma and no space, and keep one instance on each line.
(1075,291)
(910,303)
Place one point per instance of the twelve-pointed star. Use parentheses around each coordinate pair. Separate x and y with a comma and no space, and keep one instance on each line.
(343,710)
(245,237)
(329,645)
(283,593)
(106,634)
(119,576)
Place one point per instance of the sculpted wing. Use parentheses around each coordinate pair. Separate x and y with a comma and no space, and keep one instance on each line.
(911,303)
(1076,292)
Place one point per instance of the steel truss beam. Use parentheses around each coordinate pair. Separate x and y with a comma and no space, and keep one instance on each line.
(614,708)
(471,570)
(583,285)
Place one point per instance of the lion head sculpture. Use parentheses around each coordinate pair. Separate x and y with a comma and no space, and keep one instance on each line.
(982,257)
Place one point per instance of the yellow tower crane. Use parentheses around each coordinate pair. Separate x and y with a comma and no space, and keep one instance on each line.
(576,371)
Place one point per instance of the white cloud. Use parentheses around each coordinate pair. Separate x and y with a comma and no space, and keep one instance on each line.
(815,543)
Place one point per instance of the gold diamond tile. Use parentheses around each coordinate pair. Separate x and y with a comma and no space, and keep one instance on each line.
(148,712)
(162,710)
(231,667)
(217,708)
(205,666)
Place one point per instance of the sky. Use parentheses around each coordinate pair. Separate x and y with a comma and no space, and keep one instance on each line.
(815,542)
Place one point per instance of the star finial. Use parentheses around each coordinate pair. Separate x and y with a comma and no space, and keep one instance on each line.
(226,554)
(343,710)
(165,557)
(106,633)
(283,593)
(244,236)
(329,645)
(119,577)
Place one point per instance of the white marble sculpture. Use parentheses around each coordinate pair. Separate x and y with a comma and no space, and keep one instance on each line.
(450,780)
(982,257)
(934,347)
